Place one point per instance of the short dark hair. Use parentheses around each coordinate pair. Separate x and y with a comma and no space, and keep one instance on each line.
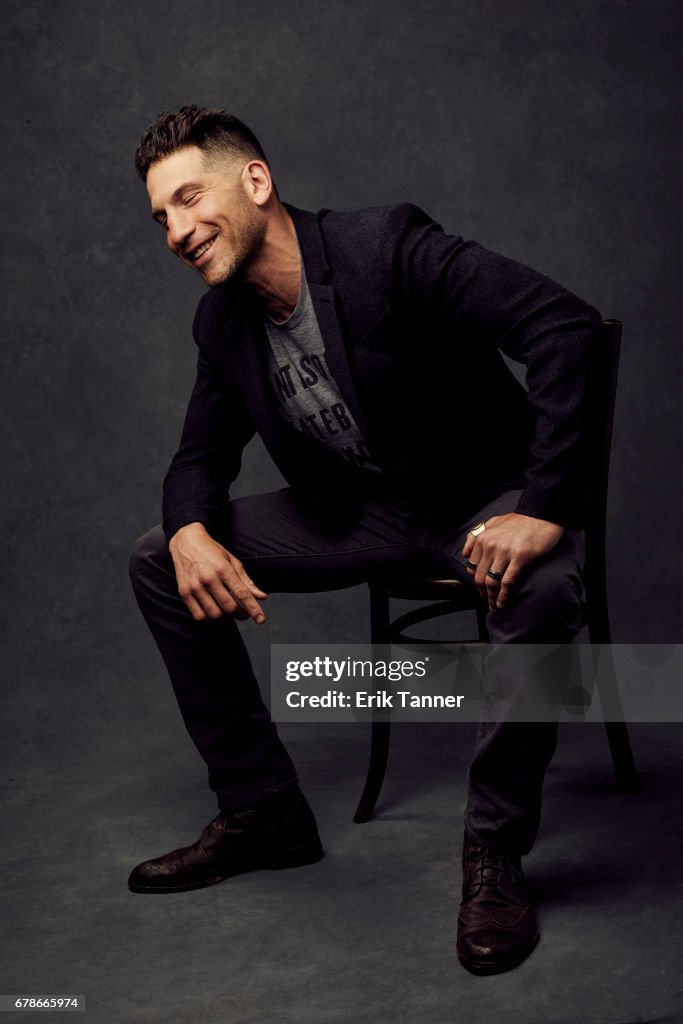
(215,132)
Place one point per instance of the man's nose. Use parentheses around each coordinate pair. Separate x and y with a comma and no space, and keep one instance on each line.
(179,228)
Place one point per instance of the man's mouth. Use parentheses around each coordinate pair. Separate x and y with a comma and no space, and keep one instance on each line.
(201,249)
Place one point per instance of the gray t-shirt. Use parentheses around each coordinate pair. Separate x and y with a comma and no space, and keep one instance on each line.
(306,395)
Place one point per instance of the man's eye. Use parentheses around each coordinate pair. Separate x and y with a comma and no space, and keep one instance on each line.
(189,200)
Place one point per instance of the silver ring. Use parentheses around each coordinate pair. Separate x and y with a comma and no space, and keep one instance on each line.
(476,530)
(470,565)
(494,575)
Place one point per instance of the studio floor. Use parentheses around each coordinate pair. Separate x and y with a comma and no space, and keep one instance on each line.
(367,934)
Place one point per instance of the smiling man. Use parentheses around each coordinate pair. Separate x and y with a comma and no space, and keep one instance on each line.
(209,220)
(364,348)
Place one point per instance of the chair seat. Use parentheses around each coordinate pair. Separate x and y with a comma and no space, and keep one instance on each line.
(427,589)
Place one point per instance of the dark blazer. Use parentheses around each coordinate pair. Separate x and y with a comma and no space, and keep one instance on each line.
(413,322)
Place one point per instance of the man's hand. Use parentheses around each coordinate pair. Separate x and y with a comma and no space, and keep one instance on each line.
(505,547)
(211,581)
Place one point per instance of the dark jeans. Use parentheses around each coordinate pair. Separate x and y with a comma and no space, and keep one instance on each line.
(285,547)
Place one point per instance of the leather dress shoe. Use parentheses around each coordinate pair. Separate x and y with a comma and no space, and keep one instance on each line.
(496,926)
(278,832)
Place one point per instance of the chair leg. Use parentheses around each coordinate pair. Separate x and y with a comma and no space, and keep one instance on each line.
(379,754)
(615,726)
(380,634)
(622,757)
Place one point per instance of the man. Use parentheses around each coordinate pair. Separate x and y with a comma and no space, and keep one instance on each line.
(364,349)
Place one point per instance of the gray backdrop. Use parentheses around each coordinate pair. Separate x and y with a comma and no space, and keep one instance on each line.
(549,132)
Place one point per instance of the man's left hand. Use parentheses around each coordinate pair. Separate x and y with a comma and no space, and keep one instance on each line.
(505,547)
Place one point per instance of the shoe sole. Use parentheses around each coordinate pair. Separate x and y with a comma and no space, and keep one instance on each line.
(288,859)
(497,966)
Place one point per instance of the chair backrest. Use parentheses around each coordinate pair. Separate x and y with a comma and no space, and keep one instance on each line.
(604,372)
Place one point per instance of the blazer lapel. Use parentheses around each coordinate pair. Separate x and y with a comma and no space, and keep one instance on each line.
(247,340)
(317,272)
(335,349)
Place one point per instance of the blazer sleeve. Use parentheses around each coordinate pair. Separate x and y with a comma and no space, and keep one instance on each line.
(216,430)
(489,300)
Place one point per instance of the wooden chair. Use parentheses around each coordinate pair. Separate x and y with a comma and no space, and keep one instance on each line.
(448,596)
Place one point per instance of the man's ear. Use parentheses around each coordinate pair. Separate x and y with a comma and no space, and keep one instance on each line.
(257,181)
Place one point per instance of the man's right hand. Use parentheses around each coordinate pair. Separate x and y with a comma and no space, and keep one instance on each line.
(211,581)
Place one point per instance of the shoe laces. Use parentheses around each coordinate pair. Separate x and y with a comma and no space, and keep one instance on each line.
(246,820)
(225,822)
(486,866)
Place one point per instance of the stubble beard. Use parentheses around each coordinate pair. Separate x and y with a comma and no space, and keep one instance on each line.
(243,247)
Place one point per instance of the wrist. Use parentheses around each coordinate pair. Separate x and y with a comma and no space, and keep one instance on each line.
(196,529)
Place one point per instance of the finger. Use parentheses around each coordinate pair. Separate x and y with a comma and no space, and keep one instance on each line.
(469,552)
(470,541)
(194,608)
(211,608)
(243,574)
(248,602)
(472,535)
(490,571)
(494,577)
(477,576)
(474,558)
(470,564)
(509,582)
(482,558)
(235,598)
(212,595)
(256,591)
(240,592)
(198,602)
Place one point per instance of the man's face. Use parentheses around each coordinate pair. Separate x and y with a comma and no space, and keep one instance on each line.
(211,222)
